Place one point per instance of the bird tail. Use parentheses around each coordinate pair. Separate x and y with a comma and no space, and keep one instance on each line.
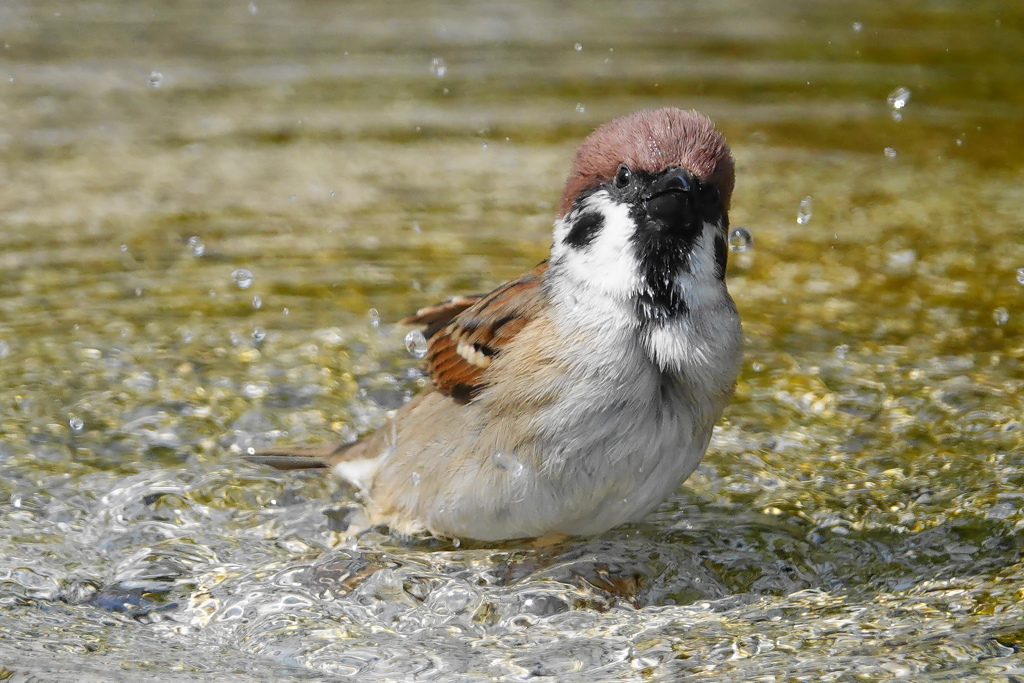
(297,457)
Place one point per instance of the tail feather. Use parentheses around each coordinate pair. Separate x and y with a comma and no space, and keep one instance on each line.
(297,457)
(287,462)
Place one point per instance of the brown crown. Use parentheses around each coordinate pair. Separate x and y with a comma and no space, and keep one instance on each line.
(652,140)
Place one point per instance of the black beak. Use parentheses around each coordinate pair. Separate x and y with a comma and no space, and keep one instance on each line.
(672,199)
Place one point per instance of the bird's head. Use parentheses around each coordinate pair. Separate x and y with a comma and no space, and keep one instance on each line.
(644,214)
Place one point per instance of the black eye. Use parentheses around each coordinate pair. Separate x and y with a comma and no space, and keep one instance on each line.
(623,177)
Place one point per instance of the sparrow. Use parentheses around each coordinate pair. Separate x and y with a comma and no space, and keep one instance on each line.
(578,396)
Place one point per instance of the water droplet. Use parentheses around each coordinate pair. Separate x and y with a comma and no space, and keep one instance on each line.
(841,351)
(456,542)
(578,47)
(258,334)
(123,248)
(257,302)
(740,240)
(507,463)
(253,390)
(580,108)
(959,142)
(889,152)
(76,424)
(1001,316)
(899,97)
(242,277)
(253,9)
(416,344)
(155,79)
(415,478)
(901,261)
(1020,276)
(416,228)
(857,27)
(374,315)
(196,245)
(5,349)
(438,67)
(804,211)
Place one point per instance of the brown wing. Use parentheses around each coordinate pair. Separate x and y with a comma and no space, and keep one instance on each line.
(437,317)
(466,334)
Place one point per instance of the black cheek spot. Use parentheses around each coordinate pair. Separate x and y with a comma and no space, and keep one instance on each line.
(584,230)
(721,255)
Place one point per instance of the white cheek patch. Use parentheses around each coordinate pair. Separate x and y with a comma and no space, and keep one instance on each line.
(607,263)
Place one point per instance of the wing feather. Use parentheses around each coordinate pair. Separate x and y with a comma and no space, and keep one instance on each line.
(466,333)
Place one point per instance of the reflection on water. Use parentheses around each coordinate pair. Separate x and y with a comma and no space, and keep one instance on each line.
(212,214)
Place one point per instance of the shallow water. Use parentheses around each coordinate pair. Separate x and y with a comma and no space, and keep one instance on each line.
(858,516)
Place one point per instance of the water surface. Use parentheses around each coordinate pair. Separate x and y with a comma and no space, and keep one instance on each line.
(212,214)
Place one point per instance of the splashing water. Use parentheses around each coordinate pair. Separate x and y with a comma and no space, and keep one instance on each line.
(416,344)
(242,277)
(740,240)
(804,211)
(196,245)
(898,99)
(508,463)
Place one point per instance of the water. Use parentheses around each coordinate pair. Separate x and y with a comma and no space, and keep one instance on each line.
(859,513)
(438,67)
(805,211)
(416,343)
(197,246)
(898,99)
(242,277)
(740,240)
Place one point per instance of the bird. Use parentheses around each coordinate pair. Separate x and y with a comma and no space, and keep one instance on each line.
(578,396)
